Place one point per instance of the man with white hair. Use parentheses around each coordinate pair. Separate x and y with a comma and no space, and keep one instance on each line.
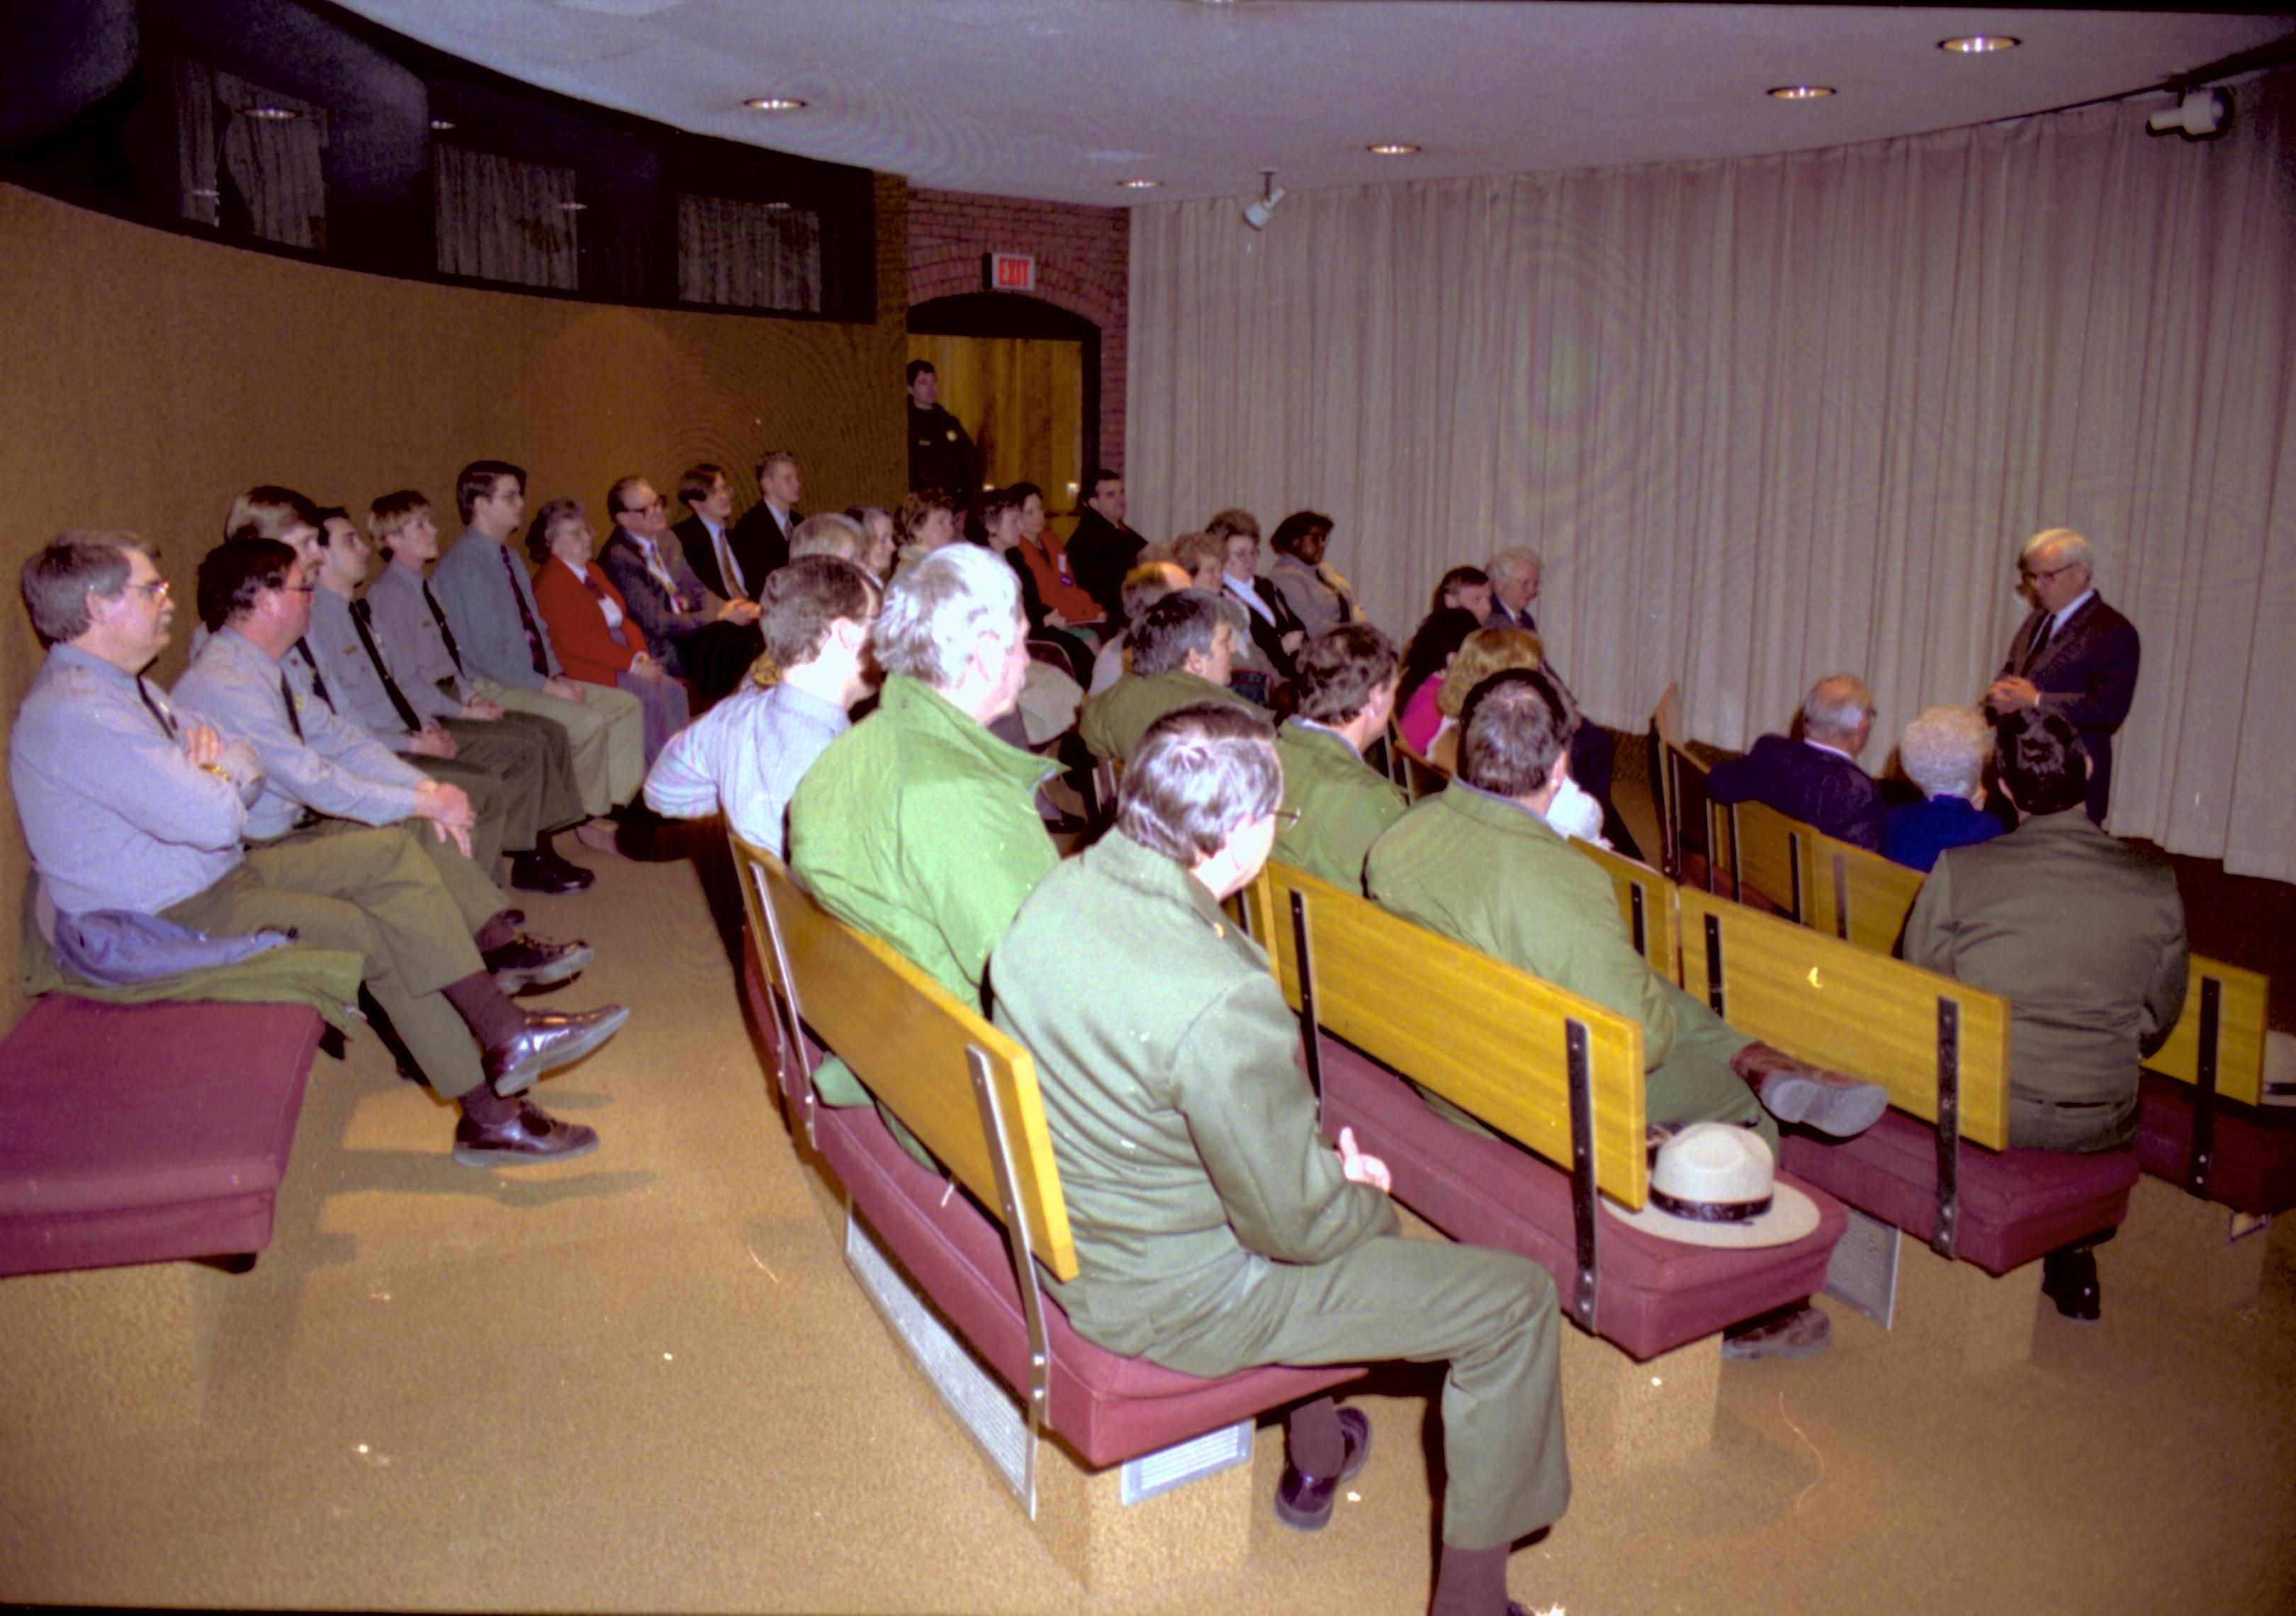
(2074,655)
(1816,779)
(1944,750)
(1514,589)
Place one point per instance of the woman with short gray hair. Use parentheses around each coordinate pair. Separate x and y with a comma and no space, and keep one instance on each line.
(1944,752)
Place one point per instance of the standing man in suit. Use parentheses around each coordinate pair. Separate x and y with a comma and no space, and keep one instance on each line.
(761,538)
(1816,779)
(2084,936)
(1103,549)
(2075,655)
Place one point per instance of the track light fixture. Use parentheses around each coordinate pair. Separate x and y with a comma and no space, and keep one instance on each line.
(2198,115)
(1262,208)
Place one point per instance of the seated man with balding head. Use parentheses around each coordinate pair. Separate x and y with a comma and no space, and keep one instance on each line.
(1183,650)
(1816,779)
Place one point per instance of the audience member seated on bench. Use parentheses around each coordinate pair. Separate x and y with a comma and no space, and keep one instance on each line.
(2084,935)
(127,806)
(1481,864)
(746,755)
(1182,654)
(1336,804)
(1944,750)
(1434,644)
(1574,812)
(1146,583)
(590,624)
(1816,779)
(1214,1228)
(706,640)
(917,825)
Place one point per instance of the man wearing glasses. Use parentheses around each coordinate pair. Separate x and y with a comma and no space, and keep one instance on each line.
(2074,656)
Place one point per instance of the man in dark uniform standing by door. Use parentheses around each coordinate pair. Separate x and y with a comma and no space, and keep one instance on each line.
(940,450)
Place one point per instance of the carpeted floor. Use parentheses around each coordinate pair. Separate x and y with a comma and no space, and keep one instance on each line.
(643,1381)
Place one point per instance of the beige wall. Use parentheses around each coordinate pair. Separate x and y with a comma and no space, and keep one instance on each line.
(145,379)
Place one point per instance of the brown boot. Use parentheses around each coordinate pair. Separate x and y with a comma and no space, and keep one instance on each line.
(1793,1091)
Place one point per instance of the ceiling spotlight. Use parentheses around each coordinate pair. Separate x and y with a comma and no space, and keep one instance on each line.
(1801,91)
(1257,212)
(1139,184)
(1392,148)
(273,114)
(1977,44)
(775,104)
(2198,115)
(440,125)
(573,206)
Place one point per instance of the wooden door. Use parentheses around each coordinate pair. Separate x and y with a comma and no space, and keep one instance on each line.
(1022,400)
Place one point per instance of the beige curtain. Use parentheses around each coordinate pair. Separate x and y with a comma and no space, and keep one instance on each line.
(747,255)
(502,219)
(1774,418)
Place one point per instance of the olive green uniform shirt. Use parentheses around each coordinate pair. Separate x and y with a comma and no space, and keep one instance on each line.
(2085,936)
(918,826)
(1114,720)
(1180,1114)
(1495,876)
(1343,804)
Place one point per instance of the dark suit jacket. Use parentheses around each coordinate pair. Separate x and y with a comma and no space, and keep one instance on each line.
(1806,783)
(665,620)
(1100,554)
(2087,672)
(1501,618)
(1267,637)
(2085,936)
(701,556)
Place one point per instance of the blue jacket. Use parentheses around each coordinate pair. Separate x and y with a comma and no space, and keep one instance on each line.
(1916,834)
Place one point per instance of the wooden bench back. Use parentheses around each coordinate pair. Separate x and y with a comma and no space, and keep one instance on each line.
(1850,1010)
(2242,1007)
(1859,897)
(1420,778)
(1768,852)
(1483,1035)
(913,1048)
(1647,901)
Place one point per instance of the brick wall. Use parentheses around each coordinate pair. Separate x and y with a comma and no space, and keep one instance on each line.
(1083,264)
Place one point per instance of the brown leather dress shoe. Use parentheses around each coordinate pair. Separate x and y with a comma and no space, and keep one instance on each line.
(529,961)
(534,1135)
(548,1042)
(1793,1091)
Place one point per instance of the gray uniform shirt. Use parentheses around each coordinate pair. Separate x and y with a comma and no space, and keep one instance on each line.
(745,755)
(355,682)
(334,768)
(419,653)
(482,596)
(116,815)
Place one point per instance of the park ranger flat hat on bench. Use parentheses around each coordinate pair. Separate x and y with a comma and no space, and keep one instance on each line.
(1716,1185)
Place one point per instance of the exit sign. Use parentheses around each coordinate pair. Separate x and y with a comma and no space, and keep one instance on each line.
(1009,272)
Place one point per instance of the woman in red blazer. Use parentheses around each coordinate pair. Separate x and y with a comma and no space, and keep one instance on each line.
(590,624)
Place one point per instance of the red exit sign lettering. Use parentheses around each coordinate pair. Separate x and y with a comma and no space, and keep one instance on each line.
(1010,272)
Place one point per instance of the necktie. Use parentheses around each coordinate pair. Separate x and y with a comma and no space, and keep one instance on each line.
(444,633)
(2040,640)
(318,684)
(736,588)
(287,694)
(533,647)
(660,572)
(167,720)
(362,620)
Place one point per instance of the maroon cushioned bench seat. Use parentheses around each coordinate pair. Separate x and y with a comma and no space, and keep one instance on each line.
(1652,1296)
(2015,1204)
(2252,1163)
(146,1133)
(1108,1409)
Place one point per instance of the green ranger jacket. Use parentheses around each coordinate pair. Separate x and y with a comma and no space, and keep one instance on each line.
(1114,720)
(1343,804)
(1181,1117)
(918,826)
(1493,875)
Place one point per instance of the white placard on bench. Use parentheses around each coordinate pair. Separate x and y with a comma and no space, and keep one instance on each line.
(982,1404)
(1184,1462)
(1864,1271)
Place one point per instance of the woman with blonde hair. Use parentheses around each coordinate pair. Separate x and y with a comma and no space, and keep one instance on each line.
(1494,651)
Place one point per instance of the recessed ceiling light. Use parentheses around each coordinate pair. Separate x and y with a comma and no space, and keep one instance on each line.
(1977,44)
(273,114)
(1801,91)
(440,125)
(775,104)
(1392,148)
(1139,184)
(573,206)
(778,207)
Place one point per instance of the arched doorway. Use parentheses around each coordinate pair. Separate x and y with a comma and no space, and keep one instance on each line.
(1023,375)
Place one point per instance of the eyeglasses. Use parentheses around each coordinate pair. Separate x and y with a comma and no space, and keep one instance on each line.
(2037,575)
(157,589)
